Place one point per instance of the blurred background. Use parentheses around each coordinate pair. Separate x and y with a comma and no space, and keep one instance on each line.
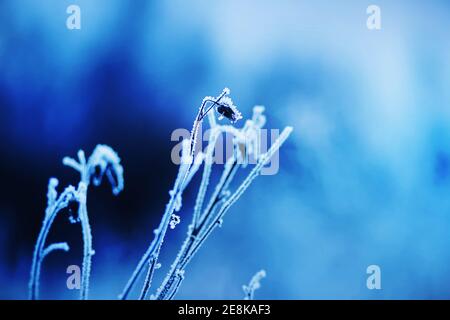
(364,179)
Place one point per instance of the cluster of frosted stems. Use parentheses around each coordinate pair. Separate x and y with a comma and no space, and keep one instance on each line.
(207,214)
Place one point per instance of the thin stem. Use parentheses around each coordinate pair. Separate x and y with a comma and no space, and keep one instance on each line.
(179,279)
(155,246)
(88,251)
(148,279)
(206,175)
(230,170)
(184,255)
(200,116)
(55,246)
(38,256)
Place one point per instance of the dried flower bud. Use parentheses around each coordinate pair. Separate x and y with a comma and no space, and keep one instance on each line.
(227,109)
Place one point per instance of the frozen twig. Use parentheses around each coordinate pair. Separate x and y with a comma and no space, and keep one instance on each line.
(253,285)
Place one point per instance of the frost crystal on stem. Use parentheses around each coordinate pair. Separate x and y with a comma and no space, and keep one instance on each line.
(174,221)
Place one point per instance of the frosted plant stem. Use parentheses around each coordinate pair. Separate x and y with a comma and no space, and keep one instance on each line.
(153,250)
(252,175)
(200,116)
(150,256)
(88,251)
(231,167)
(202,190)
(155,247)
(206,175)
(55,246)
(54,205)
(38,255)
(170,285)
(156,242)
(194,240)
(179,279)
(254,284)
(148,279)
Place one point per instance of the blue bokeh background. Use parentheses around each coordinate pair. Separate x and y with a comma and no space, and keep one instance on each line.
(364,179)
